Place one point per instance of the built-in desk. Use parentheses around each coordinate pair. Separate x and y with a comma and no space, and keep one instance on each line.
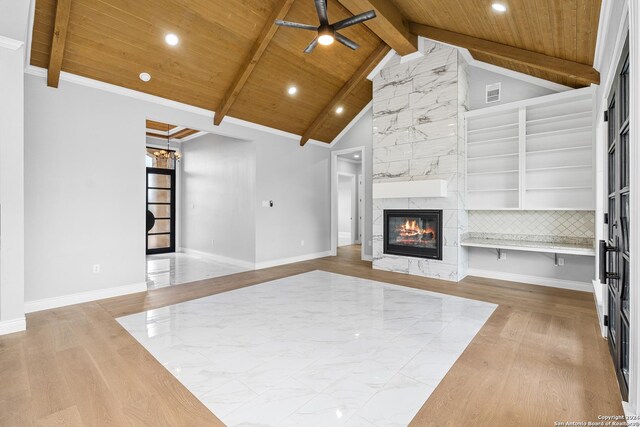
(530,246)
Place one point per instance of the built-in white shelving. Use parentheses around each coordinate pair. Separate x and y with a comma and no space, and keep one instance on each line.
(532,155)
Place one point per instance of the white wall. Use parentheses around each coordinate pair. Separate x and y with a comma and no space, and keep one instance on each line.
(297,180)
(218,196)
(511,89)
(85,184)
(11,189)
(361,135)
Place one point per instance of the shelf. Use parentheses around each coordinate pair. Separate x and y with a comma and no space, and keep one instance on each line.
(492,128)
(492,190)
(491,173)
(559,188)
(580,115)
(559,132)
(493,156)
(558,168)
(488,141)
(556,150)
(517,245)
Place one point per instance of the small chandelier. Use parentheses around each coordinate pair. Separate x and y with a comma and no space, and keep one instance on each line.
(167,154)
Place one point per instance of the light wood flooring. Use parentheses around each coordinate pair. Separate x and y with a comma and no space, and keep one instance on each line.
(538,359)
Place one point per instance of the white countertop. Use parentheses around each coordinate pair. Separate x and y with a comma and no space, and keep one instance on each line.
(523,245)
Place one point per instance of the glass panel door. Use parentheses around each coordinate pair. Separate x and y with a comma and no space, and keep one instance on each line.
(160,210)
(618,254)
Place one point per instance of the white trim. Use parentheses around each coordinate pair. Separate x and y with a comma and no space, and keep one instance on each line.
(355,162)
(13,325)
(218,258)
(12,44)
(107,87)
(381,65)
(194,136)
(81,297)
(347,128)
(634,184)
(471,61)
(621,37)
(532,280)
(283,261)
(603,29)
(29,35)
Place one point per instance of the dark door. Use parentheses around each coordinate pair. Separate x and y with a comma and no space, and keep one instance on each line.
(161,210)
(618,256)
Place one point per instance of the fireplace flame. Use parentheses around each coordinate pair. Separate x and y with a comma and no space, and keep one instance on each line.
(412,229)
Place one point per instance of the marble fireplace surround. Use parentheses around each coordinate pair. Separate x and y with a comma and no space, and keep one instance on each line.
(418,137)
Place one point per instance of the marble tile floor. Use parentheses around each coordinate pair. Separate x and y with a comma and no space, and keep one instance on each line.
(315,349)
(177,268)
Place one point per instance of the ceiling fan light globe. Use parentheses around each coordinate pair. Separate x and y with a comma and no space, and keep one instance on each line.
(326,39)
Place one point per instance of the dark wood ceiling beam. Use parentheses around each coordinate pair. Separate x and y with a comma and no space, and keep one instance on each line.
(361,73)
(389,24)
(63,11)
(252,59)
(583,73)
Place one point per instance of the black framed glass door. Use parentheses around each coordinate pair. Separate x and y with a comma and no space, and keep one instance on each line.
(161,210)
(617,255)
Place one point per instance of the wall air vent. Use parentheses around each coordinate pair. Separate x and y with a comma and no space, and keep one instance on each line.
(493,93)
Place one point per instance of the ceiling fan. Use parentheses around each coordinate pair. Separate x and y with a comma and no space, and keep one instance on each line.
(328,33)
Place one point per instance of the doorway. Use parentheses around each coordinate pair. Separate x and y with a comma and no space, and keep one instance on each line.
(617,256)
(348,212)
(161,210)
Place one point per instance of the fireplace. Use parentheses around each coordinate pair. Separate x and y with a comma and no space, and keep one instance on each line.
(415,233)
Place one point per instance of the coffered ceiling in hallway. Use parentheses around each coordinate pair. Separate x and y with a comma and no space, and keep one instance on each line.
(232,59)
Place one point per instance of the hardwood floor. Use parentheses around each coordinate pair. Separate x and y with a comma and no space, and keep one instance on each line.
(538,359)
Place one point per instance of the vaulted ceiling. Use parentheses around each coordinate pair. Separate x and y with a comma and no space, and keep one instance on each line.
(232,60)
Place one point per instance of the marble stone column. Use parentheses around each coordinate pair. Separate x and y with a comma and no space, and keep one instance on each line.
(418,134)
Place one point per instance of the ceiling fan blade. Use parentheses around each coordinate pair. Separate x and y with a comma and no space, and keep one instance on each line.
(321,7)
(282,23)
(311,46)
(347,42)
(354,20)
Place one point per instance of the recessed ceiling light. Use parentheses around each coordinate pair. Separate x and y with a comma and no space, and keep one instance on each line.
(499,7)
(292,90)
(357,156)
(339,110)
(171,39)
(145,77)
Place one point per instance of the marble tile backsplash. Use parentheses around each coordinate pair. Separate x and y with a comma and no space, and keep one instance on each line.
(543,224)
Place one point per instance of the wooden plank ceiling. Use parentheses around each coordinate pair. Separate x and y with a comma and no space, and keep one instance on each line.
(565,29)
(162,130)
(230,60)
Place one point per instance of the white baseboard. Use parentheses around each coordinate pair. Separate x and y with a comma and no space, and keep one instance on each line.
(13,325)
(283,261)
(61,301)
(218,258)
(533,280)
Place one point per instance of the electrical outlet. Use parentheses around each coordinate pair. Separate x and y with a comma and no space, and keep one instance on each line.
(96,268)
(301,242)
(213,242)
(560,261)
(265,203)
(503,255)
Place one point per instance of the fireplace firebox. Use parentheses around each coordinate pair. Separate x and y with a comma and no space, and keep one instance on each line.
(415,233)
